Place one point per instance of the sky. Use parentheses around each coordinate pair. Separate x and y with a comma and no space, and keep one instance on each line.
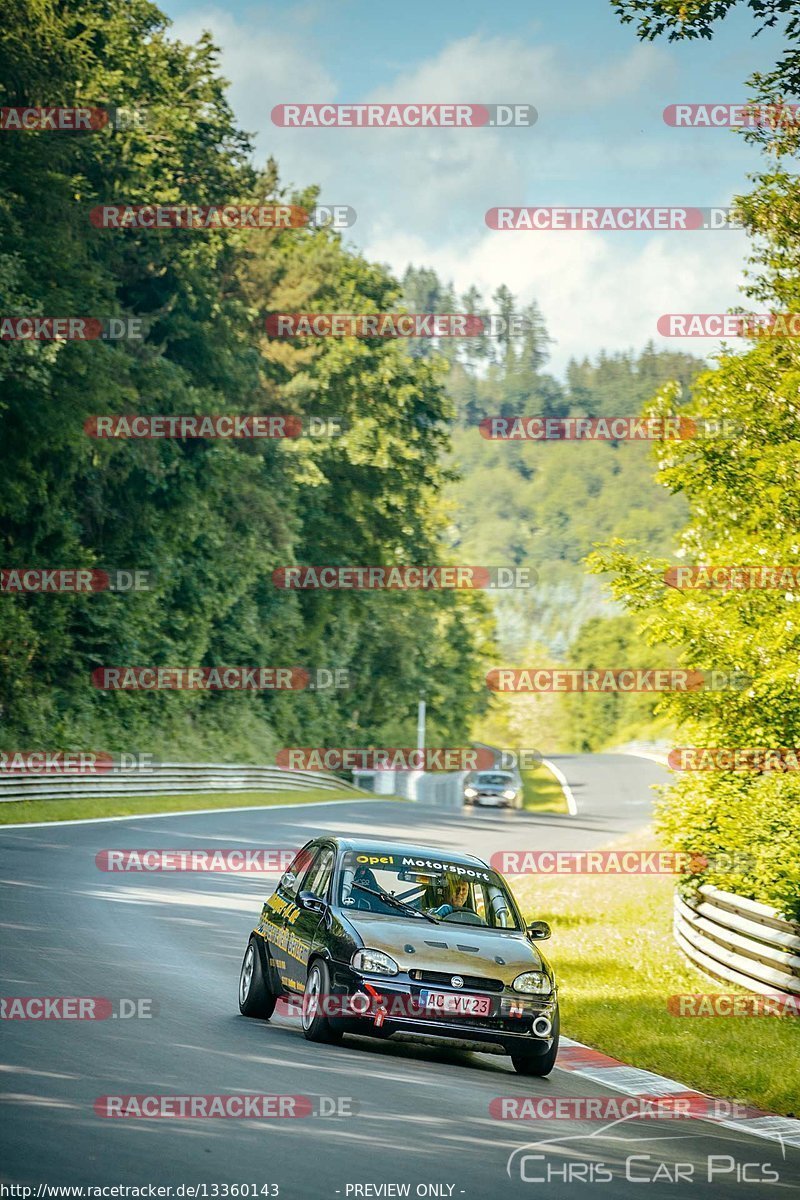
(421,194)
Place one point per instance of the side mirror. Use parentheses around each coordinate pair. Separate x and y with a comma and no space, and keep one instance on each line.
(310,902)
(538,931)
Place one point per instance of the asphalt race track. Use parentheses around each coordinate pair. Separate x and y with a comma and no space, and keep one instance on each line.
(422,1116)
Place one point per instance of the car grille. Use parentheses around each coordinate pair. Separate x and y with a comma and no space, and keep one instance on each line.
(479,982)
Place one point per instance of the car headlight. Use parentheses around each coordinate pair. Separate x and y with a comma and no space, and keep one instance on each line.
(374,962)
(470,792)
(533,982)
(509,795)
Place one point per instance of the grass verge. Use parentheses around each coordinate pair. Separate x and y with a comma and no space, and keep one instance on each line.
(617,964)
(541,791)
(25,811)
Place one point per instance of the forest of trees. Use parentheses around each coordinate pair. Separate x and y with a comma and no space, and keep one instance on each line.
(209,519)
(409,480)
(743,499)
(545,506)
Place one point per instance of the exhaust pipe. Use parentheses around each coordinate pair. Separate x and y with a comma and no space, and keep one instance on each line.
(542,1027)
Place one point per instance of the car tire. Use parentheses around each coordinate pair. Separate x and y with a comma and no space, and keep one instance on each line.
(317,1026)
(531,1062)
(256,997)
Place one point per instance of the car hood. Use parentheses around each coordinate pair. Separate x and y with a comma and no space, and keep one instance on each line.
(462,949)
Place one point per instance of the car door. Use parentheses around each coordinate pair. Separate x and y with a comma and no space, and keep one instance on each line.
(307,925)
(279,913)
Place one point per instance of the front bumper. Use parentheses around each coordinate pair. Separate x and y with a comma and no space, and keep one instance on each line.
(509,1025)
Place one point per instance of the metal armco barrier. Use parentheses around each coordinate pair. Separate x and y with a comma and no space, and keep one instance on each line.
(739,940)
(170,779)
(427,787)
(444,791)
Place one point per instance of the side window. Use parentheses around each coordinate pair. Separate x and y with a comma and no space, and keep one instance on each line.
(501,917)
(479,902)
(319,874)
(290,880)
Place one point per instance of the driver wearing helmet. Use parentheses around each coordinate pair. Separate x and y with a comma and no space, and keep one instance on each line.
(458,893)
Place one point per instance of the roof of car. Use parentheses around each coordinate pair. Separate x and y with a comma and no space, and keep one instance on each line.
(385,846)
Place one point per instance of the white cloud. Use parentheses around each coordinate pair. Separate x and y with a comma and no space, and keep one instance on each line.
(596,291)
(421,195)
(493,69)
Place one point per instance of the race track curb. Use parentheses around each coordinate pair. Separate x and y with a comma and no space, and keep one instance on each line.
(646,1085)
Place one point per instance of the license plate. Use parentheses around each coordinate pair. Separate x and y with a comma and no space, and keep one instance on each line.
(461,1005)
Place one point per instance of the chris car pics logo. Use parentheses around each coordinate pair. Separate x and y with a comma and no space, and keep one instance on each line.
(615,1153)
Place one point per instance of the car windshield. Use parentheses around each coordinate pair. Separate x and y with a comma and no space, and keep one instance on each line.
(457,893)
(492,779)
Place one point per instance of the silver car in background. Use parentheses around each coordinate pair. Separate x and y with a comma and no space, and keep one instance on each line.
(493,789)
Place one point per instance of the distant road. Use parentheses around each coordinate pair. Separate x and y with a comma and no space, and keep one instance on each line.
(69,928)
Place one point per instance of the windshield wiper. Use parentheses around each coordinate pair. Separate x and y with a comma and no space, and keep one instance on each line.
(395,903)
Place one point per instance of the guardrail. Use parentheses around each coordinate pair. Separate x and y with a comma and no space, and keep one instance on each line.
(444,791)
(738,940)
(170,779)
(427,787)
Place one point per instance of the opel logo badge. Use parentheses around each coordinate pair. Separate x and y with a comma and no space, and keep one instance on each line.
(457,981)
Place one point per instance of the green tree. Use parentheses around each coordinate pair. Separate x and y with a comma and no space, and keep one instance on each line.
(600,721)
(744,503)
(211,520)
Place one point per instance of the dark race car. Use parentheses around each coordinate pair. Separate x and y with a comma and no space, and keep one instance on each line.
(392,940)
